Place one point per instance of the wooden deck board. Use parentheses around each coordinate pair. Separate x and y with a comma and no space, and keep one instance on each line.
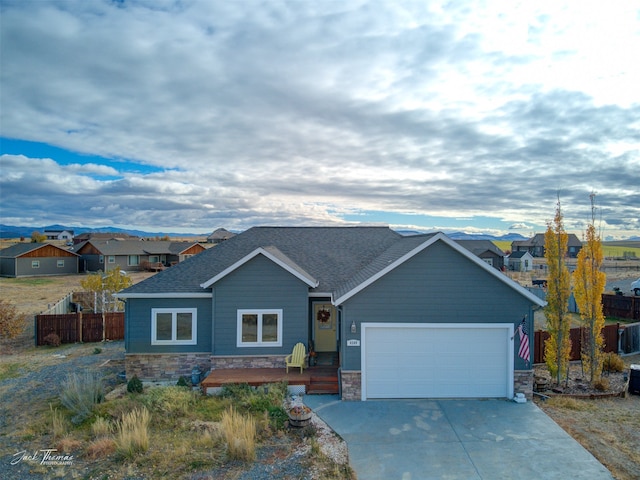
(261,376)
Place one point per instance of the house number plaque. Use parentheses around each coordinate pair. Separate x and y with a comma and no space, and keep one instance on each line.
(353,343)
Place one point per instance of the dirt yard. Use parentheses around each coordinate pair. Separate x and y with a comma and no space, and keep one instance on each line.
(608,427)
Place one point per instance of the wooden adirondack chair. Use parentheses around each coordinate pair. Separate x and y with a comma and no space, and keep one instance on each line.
(297,357)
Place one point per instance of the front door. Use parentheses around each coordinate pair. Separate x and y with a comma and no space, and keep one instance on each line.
(324,325)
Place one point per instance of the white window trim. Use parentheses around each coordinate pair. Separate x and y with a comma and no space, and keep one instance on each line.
(60,263)
(35,263)
(259,312)
(174,312)
(101,258)
(137,260)
(111,259)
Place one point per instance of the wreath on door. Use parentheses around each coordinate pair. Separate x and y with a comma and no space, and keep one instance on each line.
(324,315)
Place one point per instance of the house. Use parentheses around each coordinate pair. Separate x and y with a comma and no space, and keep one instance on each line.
(37,259)
(59,235)
(220,235)
(520,261)
(134,255)
(408,316)
(83,237)
(535,245)
(486,250)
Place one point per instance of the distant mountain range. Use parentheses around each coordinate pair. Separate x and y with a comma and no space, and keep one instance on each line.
(471,236)
(9,231)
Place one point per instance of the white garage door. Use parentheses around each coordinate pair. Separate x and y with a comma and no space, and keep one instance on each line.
(437,360)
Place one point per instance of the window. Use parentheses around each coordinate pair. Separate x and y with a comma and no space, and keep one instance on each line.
(111,259)
(173,326)
(259,328)
(154,259)
(133,260)
(60,263)
(101,258)
(35,263)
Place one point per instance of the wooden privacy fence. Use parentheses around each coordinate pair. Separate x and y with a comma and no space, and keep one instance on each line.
(80,327)
(621,306)
(610,333)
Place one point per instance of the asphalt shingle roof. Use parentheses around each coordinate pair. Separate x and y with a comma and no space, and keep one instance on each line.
(331,255)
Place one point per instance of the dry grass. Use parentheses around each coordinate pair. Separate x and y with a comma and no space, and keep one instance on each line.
(240,434)
(132,434)
(101,448)
(101,427)
(59,424)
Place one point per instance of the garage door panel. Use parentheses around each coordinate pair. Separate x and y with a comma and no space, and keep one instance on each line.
(419,361)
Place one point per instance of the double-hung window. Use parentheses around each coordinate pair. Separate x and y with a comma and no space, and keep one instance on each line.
(259,328)
(174,326)
(133,260)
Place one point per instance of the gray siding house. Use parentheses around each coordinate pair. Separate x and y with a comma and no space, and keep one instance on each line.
(37,259)
(410,317)
(133,255)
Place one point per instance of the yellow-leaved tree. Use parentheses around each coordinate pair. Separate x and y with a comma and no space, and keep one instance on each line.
(557,348)
(588,286)
(104,286)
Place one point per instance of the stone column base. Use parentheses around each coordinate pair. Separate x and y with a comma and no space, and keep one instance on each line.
(351,385)
(523,383)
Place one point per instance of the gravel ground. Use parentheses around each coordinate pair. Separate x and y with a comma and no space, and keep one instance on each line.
(41,373)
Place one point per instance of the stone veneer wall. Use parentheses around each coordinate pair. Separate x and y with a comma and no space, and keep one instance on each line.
(247,361)
(523,383)
(165,366)
(351,385)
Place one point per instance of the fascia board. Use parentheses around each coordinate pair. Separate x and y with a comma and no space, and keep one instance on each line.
(442,237)
(260,251)
(165,295)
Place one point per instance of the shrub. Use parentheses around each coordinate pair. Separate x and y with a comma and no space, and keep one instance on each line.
(52,339)
(132,434)
(135,385)
(170,401)
(182,382)
(80,393)
(613,362)
(240,434)
(278,417)
(97,351)
(12,323)
(602,384)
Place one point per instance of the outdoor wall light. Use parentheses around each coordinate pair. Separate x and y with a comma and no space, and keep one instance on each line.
(353,327)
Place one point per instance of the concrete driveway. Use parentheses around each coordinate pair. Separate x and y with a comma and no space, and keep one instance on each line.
(455,439)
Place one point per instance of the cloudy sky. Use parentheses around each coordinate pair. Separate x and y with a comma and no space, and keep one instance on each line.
(190,115)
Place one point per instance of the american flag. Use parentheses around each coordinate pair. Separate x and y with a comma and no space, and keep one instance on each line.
(523,351)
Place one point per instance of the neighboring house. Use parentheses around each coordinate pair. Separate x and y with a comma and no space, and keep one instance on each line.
(134,255)
(520,261)
(220,235)
(535,245)
(486,250)
(83,237)
(414,316)
(66,235)
(37,259)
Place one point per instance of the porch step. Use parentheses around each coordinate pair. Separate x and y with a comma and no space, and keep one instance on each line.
(323,385)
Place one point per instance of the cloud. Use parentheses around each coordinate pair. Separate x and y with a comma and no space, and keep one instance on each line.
(295,113)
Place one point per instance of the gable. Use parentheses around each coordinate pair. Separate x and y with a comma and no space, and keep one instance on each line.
(272,254)
(344,294)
